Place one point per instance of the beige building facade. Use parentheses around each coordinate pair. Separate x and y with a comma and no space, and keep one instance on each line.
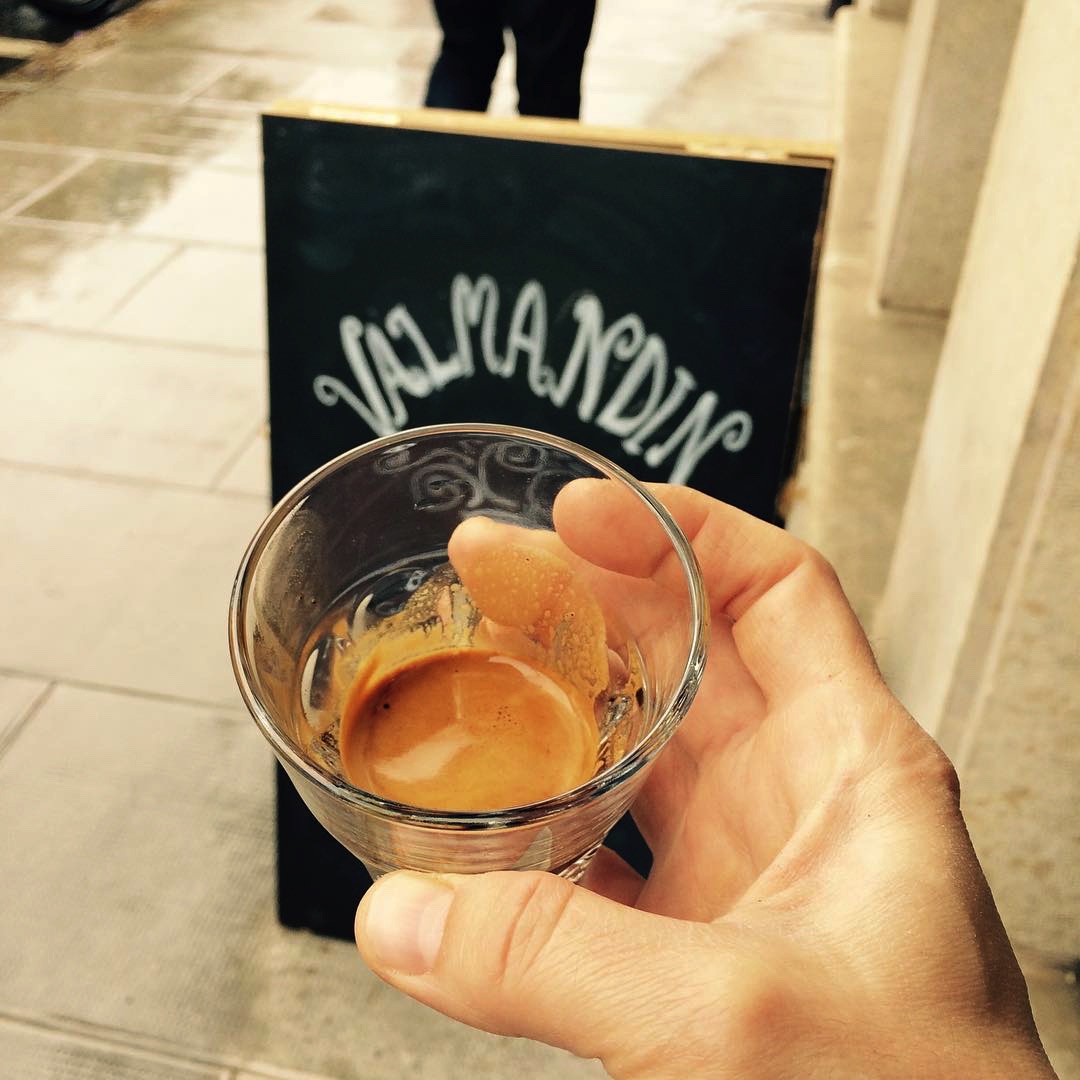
(942,473)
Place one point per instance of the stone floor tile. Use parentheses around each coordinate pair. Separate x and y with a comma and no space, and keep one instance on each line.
(617,107)
(54,117)
(205,296)
(241,26)
(792,76)
(125,408)
(106,192)
(120,583)
(259,81)
(59,118)
(17,694)
(201,132)
(282,30)
(153,821)
(170,201)
(275,1072)
(212,206)
(31,1053)
(376,14)
(22,172)
(607,70)
(262,81)
(349,43)
(150,72)
(70,279)
(269,1073)
(421,52)
(352,43)
(249,474)
(401,88)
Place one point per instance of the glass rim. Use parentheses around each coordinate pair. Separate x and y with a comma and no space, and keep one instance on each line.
(613,776)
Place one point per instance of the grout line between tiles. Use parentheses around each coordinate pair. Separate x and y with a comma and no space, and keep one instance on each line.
(131,339)
(128,231)
(239,106)
(89,229)
(193,92)
(143,279)
(57,682)
(148,1045)
(73,472)
(81,162)
(99,1041)
(235,455)
(136,157)
(132,155)
(132,96)
(16,728)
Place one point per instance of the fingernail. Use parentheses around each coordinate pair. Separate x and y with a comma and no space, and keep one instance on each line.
(405,919)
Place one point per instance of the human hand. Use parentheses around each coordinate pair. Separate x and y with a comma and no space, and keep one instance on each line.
(815,907)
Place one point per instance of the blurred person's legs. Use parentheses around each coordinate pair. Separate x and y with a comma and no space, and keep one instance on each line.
(472,47)
(551,37)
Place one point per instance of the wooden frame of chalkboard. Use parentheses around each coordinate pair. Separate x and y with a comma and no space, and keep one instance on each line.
(815,154)
(644,293)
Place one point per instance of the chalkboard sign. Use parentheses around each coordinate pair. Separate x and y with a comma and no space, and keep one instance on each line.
(644,295)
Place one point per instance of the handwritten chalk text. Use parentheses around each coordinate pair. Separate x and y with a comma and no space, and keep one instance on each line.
(650,407)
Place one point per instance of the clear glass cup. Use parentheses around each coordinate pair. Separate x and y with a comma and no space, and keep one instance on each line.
(346,553)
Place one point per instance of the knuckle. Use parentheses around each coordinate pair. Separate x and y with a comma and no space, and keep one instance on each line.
(819,568)
(940,771)
(923,761)
(939,774)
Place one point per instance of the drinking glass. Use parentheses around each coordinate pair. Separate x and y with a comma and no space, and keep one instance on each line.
(343,554)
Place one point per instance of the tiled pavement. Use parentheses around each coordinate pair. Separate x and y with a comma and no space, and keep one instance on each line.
(136,863)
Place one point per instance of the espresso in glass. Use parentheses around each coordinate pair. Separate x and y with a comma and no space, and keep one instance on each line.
(492,686)
(471,581)
(468,729)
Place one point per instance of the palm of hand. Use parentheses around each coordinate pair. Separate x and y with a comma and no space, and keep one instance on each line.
(815,907)
(770,823)
(725,803)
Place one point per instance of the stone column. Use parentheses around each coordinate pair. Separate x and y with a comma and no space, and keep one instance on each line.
(978,627)
(955,62)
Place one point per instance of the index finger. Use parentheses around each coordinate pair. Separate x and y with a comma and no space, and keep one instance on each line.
(793,626)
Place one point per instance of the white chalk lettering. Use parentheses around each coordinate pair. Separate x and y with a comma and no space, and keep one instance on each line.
(644,393)
(394,375)
(734,429)
(684,383)
(399,323)
(528,328)
(330,391)
(472,305)
(651,361)
(375,413)
(592,347)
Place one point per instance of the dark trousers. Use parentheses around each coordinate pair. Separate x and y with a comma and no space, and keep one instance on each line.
(550,38)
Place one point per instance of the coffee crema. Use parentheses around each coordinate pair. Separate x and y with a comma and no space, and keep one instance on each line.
(468,729)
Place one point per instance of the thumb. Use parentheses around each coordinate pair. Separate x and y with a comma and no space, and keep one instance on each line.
(531,954)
